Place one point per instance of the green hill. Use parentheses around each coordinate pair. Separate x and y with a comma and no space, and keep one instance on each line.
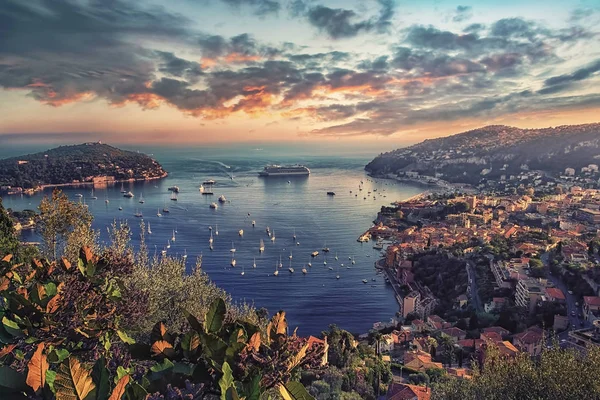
(503,150)
(77,163)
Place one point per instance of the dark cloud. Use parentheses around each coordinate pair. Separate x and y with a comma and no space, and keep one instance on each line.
(341,23)
(172,65)
(462,13)
(562,82)
(261,7)
(432,64)
(497,62)
(474,28)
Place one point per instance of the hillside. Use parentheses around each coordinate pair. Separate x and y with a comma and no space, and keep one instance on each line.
(502,150)
(77,163)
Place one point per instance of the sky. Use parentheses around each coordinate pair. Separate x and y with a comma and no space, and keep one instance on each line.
(353,72)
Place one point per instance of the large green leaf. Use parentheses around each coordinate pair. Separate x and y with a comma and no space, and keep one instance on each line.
(213,320)
(73,382)
(11,380)
(226,380)
(12,327)
(294,391)
(125,337)
(58,355)
(193,321)
(252,388)
(101,378)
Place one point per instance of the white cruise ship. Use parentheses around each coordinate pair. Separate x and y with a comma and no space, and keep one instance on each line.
(282,170)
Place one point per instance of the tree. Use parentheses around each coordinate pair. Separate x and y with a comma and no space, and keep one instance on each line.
(447,347)
(65,226)
(435,373)
(419,379)
(8,237)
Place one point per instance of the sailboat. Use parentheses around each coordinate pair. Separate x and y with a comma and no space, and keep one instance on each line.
(273,236)
(93,197)
(184,256)
(309,263)
(280,263)
(294,234)
(120,208)
(336,257)
(138,214)
(304,271)
(123,189)
(158,214)
(325,261)
(261,247)
(165,209)
(290,257)
(254,263)
(253,223)
(168,244)
(176,229)
(242,270)
(142,201)
(233,262)
(210,240)
(241,232)
(353,262)
(149,229)
(217,229)
(338,273)
(232,250)
(276,271)
(173,237)
(290,268)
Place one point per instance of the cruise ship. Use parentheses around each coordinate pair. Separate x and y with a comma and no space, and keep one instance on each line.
(283,170)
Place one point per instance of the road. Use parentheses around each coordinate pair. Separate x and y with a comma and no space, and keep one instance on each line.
(571,299)
(474,292)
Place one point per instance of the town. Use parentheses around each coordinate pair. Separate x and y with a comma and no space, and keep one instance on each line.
(518,270)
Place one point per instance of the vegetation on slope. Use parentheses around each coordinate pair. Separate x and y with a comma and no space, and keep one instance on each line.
(78,163)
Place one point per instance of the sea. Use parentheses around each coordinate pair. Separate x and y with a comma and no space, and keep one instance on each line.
(287,205)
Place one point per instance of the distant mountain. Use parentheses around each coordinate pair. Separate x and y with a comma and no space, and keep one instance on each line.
(78,163)
(493,151)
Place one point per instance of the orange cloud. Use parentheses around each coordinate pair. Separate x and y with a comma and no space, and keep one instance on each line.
(55,101)
(241,58)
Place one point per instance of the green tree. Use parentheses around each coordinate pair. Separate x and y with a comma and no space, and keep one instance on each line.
(65,226)
(9,242)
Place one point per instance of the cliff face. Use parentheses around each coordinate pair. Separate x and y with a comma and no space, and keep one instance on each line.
(66,164)
(503,150)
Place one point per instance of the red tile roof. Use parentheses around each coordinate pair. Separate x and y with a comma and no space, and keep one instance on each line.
(592,300)
(532,335)
(555,293)
(401,391)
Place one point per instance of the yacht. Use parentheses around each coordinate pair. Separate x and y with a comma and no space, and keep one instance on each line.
(304,271)
(268,230)
(206,191)
(128,195)
(241,232)
(291,270)
(253,223)
(309,263)
(278,170)
(209,182)
(120,208)
(364,281)
(142,201)
(353,262)
(201,188)
(242,273)
(214,205)
(280,263)
(273,236)
(325,248)
(138,214)
(222,199)
(149,229)
(261,247)
(163,252)
(314,254)
(174,189)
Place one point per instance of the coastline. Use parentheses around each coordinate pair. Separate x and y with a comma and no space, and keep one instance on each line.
(30,191)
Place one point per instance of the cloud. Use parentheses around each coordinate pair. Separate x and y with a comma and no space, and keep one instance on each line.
(261,7)
(560,83)
(462,13)
(341,23)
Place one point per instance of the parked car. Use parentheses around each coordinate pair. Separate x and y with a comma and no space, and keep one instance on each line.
(573,313)
(570,292)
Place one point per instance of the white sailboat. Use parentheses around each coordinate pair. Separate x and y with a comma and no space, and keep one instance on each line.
(168,244)
(158,214)
(338,272)
(253,223)
(142,201)
(173,237)
(242,270)
(336,256)
(123,188)
(176,229)
(273,236)
(309,263)
(232,250)
(290,257)
(93,196)
(353,262)
(304,271)
(149,229)
(325,261)
(241,232)
(290,268)
(217,229)
(210,240)
(254,263)
(261,247)
(276,271)
(294,234)
(233,262)
(280,263)
(184,256)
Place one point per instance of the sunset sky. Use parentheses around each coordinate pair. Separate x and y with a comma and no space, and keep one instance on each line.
(207,71)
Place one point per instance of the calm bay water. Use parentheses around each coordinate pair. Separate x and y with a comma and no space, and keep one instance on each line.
(312,301)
